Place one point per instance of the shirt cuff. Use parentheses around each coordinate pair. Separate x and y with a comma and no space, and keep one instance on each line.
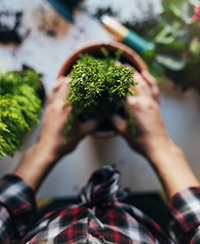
(184,214)
(19,200)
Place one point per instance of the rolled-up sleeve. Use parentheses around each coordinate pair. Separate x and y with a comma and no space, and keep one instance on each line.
(184,216)
(17,208)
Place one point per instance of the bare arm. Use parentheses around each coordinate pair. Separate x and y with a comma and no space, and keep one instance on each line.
(151,138)
(50,147)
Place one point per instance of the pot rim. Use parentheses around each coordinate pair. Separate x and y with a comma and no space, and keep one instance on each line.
(132,57)
(129,53)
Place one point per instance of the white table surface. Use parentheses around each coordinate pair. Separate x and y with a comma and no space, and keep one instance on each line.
(181,111)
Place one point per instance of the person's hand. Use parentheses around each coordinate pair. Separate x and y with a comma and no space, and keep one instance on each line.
(151,138)
(38,160)
(55,121)
(150,132)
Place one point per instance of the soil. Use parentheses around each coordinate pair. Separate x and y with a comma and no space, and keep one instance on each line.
(12,29)
(106,11)
(48,26)
(106,124)
(49,22)
(10,23)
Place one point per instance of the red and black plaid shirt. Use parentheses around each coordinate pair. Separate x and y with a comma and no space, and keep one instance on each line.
(100,218)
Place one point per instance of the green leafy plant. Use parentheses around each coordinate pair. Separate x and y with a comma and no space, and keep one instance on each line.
(20,106)
(177,43)
(98,87)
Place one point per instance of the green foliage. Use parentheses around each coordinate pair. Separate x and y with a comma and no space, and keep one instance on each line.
(20,107)
(98,87)
(177,44)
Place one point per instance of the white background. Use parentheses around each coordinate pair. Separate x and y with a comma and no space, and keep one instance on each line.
(181,111)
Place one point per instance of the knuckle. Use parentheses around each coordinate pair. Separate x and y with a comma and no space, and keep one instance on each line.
(143,86)
(67,80)
(131,100)
(147,104)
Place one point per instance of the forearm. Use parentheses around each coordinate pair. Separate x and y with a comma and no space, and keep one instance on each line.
(35,164)
(173,169)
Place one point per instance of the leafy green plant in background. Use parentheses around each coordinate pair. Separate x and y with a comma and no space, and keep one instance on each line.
(98,87)
(19,108)
(177,43)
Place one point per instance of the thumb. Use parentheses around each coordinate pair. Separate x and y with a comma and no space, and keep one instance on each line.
(88,126)
(119,123)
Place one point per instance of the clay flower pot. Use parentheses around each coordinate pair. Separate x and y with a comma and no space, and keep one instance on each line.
(94,49)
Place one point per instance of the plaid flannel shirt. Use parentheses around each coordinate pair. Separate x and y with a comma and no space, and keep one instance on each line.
(100,218)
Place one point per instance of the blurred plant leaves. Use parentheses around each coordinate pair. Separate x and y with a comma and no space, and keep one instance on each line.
(170,62)
(177,44)
(194,47)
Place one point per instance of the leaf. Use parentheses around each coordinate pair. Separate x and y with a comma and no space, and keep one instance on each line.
(164,36)
(194,2)
(175,8)
(157,71)
(175,1)
(98,86)
(170,62)
(176,40)
(187,12)
(148,55)
(194,47)
(20,107)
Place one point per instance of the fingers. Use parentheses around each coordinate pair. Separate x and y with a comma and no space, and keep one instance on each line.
(81,129)
(142,88)
(88,126)
(118,63)
(128,66)
(60,82)
(60,89)
(143,79)
(119,123)
(57,83)
(147,85)
(152,83)
(63,88)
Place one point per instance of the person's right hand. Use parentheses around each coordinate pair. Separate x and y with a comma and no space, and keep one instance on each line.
(150,132)
(55,121)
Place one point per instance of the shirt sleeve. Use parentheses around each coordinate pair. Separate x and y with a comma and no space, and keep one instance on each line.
(184,216)
(17,208)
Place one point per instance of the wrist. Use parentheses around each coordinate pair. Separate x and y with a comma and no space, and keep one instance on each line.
(34,165)
(46,151)
(42,150)
(42,153)
(173,169)
(163,152)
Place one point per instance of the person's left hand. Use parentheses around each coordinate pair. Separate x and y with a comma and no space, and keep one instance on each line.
(52,136)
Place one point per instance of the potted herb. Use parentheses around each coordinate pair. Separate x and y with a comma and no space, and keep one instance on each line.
(99,87)
(177,43)
(21,96)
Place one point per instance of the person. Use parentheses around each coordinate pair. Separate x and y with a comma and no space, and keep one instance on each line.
(101,217)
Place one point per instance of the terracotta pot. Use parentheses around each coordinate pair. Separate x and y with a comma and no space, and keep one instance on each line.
(94,49)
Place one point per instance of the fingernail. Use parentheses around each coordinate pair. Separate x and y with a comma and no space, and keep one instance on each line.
(118,63)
